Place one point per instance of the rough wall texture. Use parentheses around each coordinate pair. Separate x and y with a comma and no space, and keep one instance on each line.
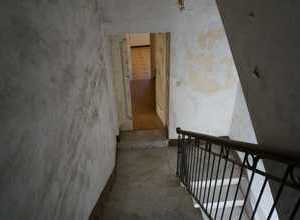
(56,123)
(203,78)
(241,126)
(264,36)
(242,130)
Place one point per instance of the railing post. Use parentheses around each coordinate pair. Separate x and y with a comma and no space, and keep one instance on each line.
(179,155)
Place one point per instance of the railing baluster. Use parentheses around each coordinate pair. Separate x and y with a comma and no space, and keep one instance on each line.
(228,188)
(210,181)
(184,161)
(178,156)
(255,161)
(181,156)
(189,163)
(216,178)
(203,174)
(259,198)
(194,163)
(183,165)
(279,192)
(207,169)
(200,172)
(223,176)
(197,167)
(238,185)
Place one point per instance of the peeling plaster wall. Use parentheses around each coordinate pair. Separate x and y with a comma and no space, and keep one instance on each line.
(203,78)
(57,121)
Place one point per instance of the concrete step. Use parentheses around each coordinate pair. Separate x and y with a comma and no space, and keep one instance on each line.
(216,185)
(143,139)
(195,166)
(214,205)
(229,204)
(234,181)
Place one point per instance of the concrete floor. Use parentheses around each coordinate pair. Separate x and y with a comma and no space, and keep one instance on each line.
(146,188)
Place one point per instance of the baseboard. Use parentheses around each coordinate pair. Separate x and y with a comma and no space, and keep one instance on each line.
(97,213)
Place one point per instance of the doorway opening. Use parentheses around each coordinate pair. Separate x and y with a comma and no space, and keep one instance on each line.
(140,65)
(149,83)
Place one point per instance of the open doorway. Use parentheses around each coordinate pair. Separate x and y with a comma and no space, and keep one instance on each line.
(140,66)
(148,84)
(149,61)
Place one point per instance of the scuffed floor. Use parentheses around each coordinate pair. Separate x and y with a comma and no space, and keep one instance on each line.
(146,187)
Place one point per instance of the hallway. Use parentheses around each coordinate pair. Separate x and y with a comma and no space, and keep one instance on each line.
(143,91)
(146,188)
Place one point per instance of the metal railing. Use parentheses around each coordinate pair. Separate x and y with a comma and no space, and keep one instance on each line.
(228,179)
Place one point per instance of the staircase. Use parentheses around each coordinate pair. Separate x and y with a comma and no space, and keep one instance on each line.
(223,192)
(145,185)
(225,187)
(217,195)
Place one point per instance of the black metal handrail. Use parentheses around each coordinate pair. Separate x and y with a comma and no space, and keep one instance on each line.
(228,178)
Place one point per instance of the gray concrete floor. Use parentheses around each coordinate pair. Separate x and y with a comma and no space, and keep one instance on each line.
(146,187)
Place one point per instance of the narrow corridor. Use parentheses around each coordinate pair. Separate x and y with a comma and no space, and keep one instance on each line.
(147,188)
(143,91)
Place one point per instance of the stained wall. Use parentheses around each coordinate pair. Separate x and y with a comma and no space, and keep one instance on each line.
(57,121)
(203,78)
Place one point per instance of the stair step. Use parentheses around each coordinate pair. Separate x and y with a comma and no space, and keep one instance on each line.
(143,139)
(142,144)
(229,204)
(234,181)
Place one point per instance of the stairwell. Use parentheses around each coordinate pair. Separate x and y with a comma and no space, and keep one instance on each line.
(146,186)
(218,194)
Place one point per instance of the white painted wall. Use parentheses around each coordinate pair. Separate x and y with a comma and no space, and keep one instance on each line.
(203,79)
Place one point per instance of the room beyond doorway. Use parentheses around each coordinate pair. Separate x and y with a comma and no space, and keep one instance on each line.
(149,80)
(142,87)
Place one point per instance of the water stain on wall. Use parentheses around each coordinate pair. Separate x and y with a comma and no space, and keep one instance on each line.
(208,71)
(207,40)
